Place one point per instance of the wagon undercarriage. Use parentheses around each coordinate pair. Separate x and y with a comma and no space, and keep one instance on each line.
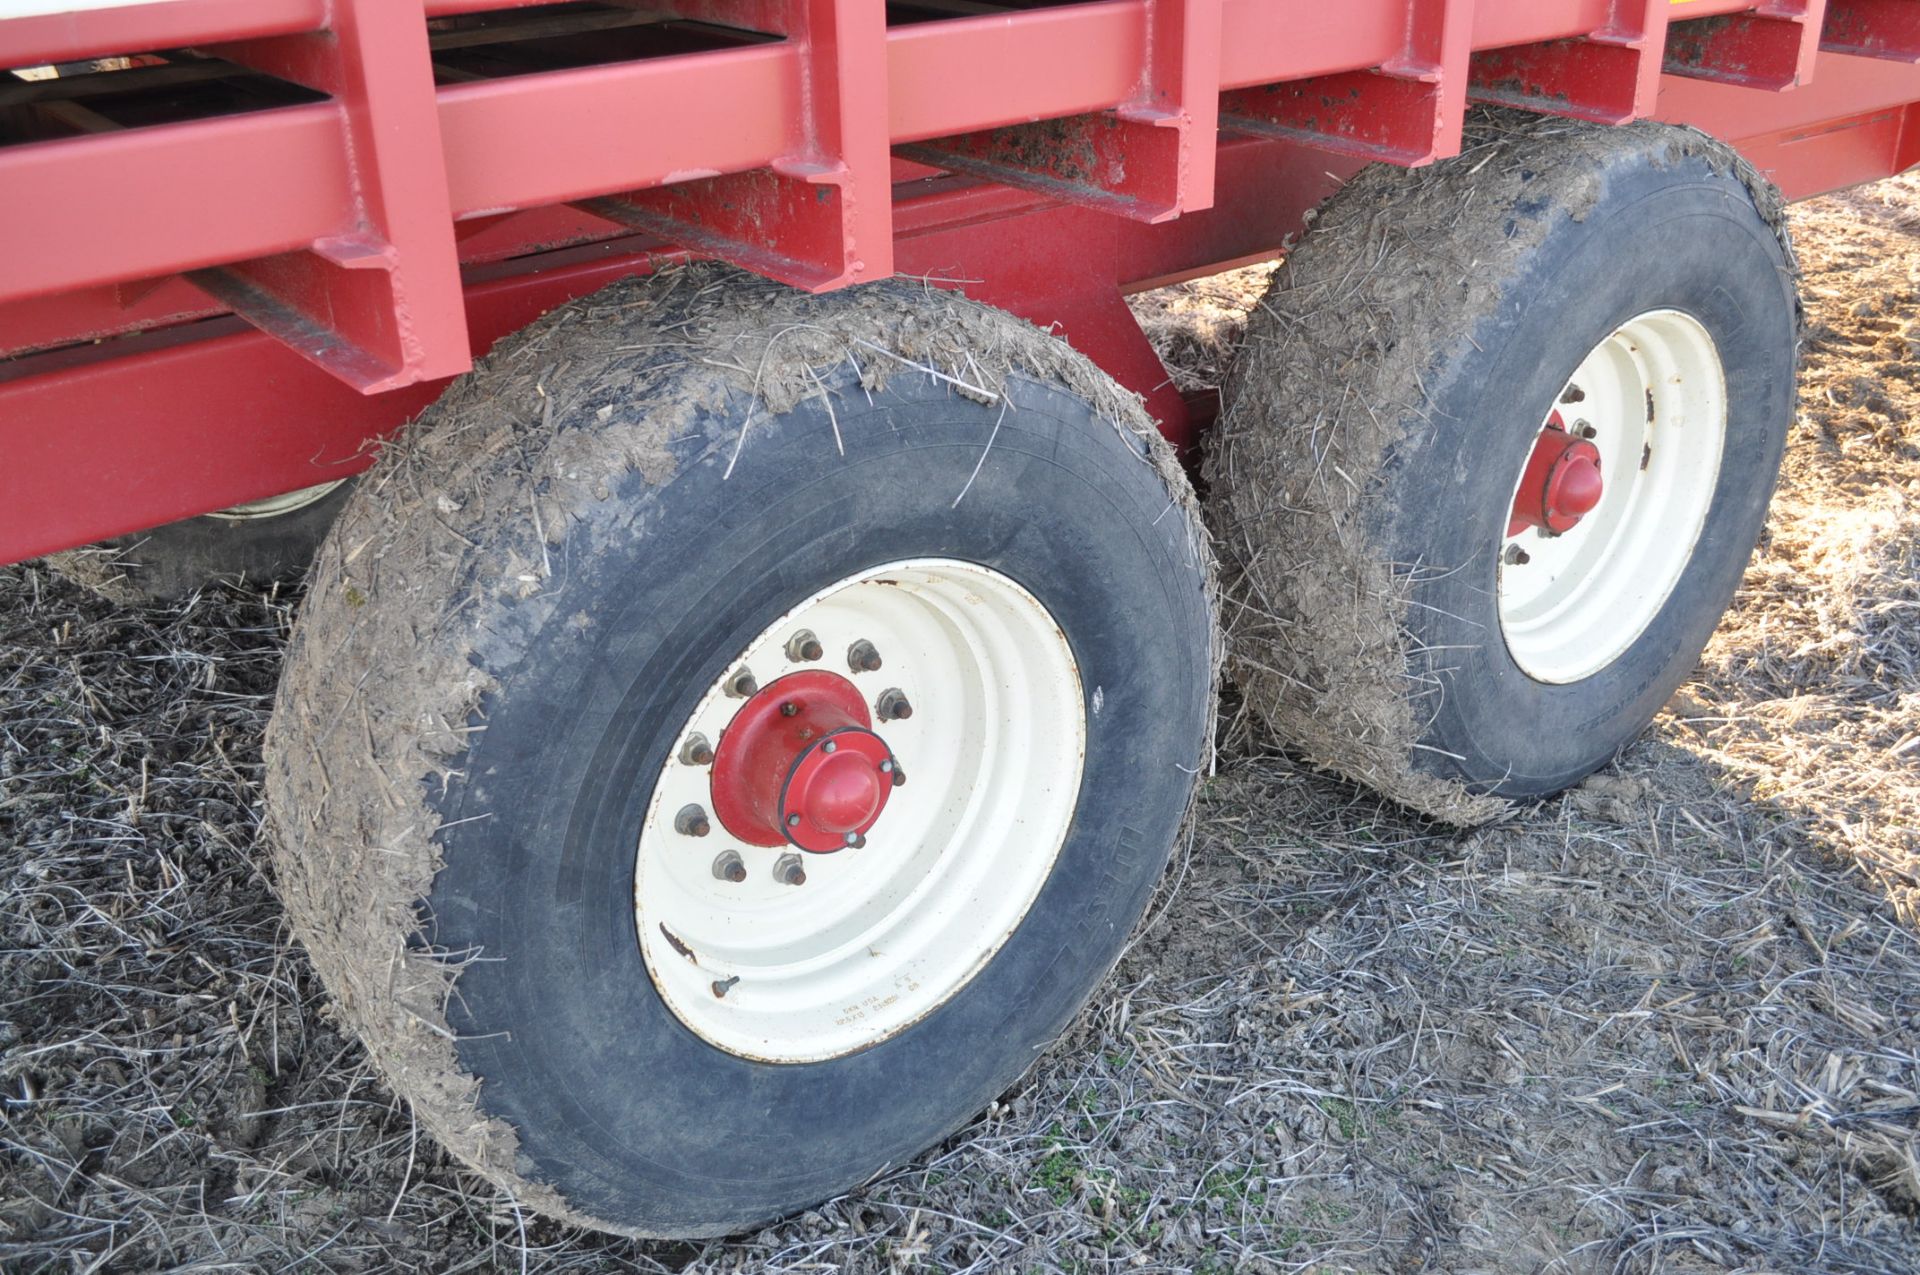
(322,212)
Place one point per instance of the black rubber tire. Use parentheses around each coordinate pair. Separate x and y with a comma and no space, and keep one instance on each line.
(167,563)
(595,1102)
(1412,345)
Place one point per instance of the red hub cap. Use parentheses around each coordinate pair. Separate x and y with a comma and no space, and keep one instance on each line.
(800,765)
(1562,484)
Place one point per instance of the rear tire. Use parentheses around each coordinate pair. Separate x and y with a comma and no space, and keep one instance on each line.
(1405,619)
(484,760)
(267,541)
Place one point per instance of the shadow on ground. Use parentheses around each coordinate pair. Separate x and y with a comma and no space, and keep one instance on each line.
(1655,1023)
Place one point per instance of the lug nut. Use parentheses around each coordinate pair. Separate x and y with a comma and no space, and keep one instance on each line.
(862,658)
(692,822)
(899,775)
(1516,556)
(742,684)
(804,647)
(788,870)
(696,751)
(729,866)
(1585,429)
(855,841)
(894,706)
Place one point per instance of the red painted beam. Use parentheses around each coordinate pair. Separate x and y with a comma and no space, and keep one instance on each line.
(516,142)
(979,73)
(230,189)
(177,423)
(176,197)
(1807,141)
(91,33)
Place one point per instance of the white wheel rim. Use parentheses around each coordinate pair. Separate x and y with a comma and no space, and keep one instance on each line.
(880,935)
(1652,398)
(277,506)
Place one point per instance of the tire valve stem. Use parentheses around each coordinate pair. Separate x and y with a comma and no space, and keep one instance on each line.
(788,870)
(729,866)
(692,822)
(721,986)
(1515,556)
(742,684)
(696,751)
(893,705)
(804,648)
(862,658)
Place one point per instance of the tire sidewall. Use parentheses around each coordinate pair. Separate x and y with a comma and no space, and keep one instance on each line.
(1679,237)
(632,1117)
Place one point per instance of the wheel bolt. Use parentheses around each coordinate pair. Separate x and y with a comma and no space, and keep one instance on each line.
(855,841)
(894,706)
(730,867)
(1585,429)
(862,658)
(899,775)
(692,822)
(742,684)
(1516,556)
(789,870)
(804,647)
(696,751)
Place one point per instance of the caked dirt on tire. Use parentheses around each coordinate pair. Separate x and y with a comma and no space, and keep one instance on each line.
(1670,1021)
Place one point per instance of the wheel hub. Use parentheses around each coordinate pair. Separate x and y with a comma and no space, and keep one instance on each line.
(1561,485)
(1586,566)
(800,765)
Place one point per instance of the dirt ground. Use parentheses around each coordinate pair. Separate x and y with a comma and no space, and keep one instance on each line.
(1670,1022)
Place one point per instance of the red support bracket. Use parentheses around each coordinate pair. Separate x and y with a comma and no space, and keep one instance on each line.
(820,216)
(1887,29)
(1771,47)
(1149,159)
(1407,111)
(378,303)
(1609,76)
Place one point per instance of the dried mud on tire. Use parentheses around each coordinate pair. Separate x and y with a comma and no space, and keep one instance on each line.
(1668,1022)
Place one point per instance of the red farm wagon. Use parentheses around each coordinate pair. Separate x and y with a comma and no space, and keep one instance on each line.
(766,595)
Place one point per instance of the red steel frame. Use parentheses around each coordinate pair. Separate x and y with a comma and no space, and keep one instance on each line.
(201,313)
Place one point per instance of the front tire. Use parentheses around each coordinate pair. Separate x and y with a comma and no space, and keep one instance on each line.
(695,519)
(1496,450)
